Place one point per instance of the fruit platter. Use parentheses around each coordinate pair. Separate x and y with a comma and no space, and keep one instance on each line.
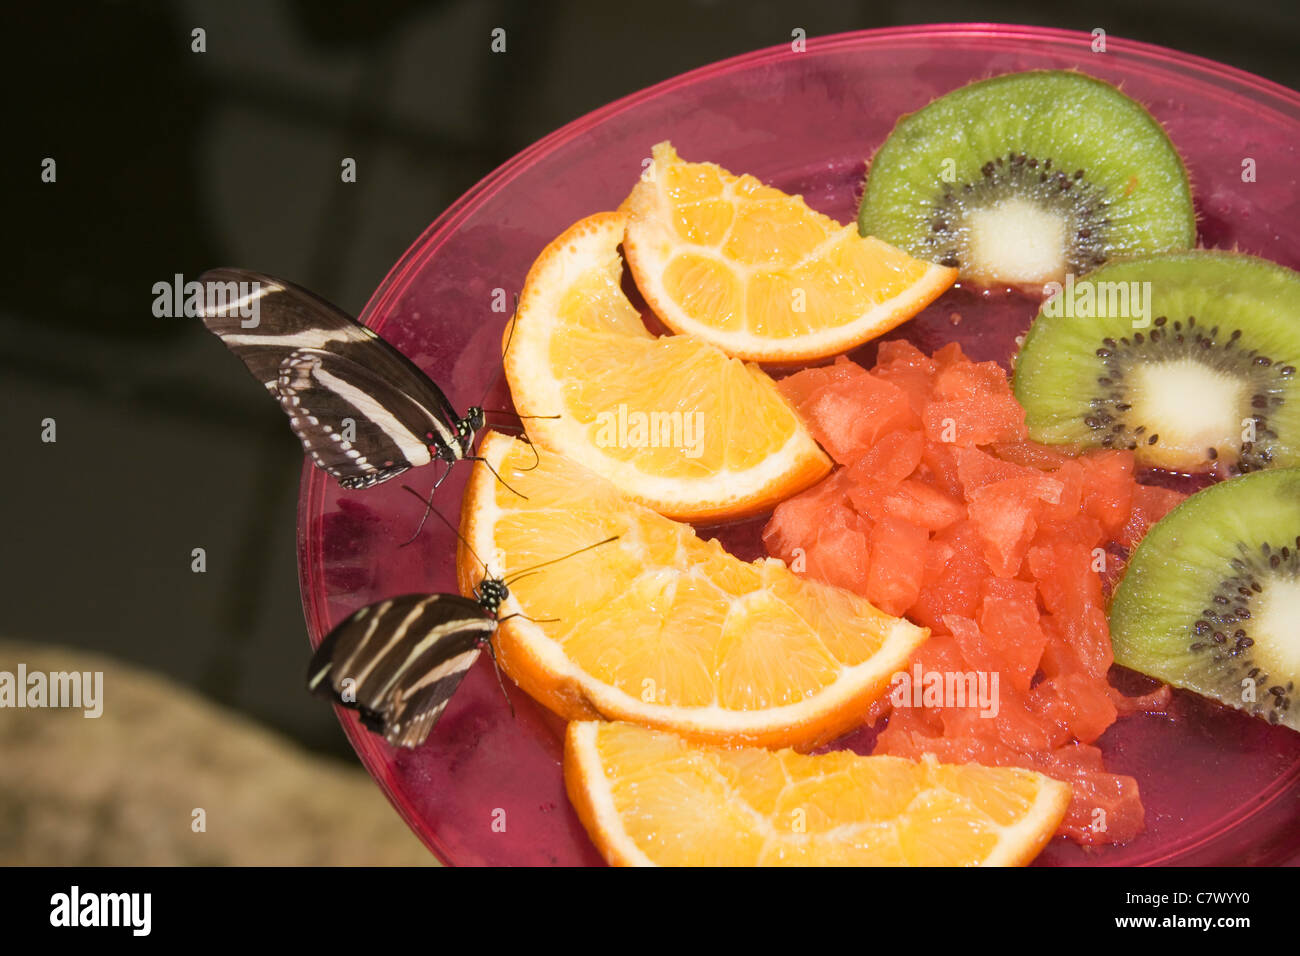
(892,458)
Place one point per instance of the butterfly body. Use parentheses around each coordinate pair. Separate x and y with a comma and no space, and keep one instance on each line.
(363,411)
(399,661)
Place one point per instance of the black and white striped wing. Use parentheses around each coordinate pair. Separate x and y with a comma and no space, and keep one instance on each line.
(399,661)
(384,389)
(350,424)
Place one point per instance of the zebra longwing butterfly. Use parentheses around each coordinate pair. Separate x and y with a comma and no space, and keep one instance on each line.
(363,411)
(397,662)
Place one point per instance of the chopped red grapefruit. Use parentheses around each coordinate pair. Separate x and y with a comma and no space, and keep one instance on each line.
(944,511)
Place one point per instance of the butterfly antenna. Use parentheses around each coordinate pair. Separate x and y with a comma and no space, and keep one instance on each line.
(506,411)
(504,349)
(454,530)
(519,574)
(535,620)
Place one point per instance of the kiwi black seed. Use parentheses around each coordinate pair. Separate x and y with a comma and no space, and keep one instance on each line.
(1023,178)
(1210,600)
(1192,367)
(1069,197)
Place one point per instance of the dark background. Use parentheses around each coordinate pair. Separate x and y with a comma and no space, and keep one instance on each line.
(171,161)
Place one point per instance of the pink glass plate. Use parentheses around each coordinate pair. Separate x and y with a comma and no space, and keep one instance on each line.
(1219,788)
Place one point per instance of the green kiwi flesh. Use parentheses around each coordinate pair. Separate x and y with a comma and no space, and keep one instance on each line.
(1210,600)
(1188,359)
(1019,179)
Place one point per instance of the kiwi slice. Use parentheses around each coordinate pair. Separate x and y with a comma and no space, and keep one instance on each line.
(1196,373)
(1020,179)
(1211,598)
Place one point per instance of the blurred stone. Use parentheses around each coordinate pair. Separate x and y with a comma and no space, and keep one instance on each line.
(122,789)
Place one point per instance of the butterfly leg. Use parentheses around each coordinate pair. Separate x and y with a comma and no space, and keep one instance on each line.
(533,448)
(428,507)
(523,437)
(494,472)
(492,653)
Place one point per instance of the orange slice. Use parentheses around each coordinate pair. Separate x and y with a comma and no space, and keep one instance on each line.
(652,799)
(673,421)
(661,627)
(760,274)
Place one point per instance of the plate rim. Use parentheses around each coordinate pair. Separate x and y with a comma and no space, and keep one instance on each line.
(313,482)
(432,237)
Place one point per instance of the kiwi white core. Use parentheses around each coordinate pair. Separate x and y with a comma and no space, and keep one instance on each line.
(1016,241)
(1190,406)
(1277,624)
